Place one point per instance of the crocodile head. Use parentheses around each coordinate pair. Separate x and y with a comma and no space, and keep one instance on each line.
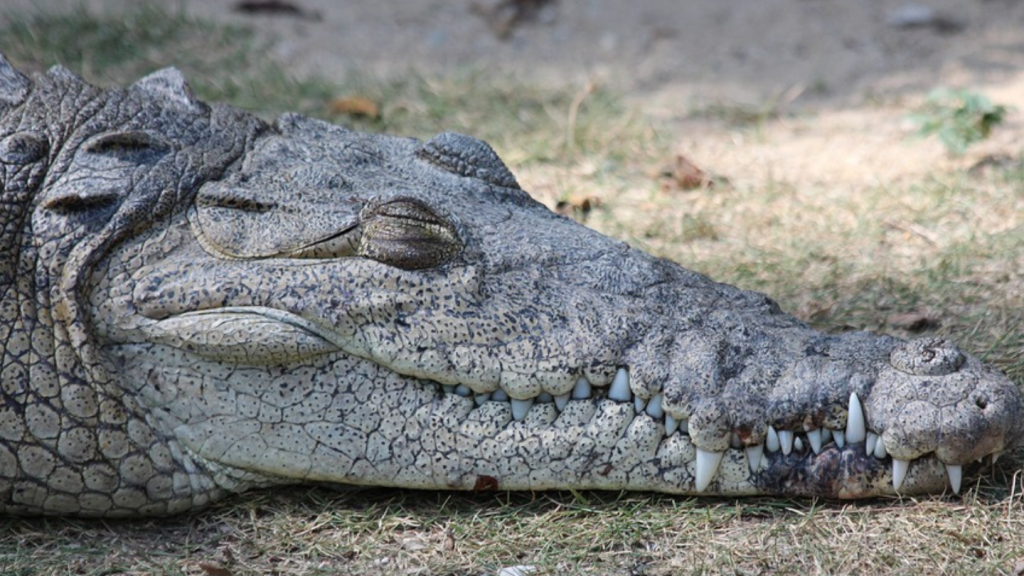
(362,309)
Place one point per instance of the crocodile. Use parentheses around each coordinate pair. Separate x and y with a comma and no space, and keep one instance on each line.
(197,302)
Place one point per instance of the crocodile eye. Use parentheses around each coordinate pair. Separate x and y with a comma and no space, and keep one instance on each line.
(405,233)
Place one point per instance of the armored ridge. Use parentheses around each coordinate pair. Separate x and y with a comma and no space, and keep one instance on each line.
(196,303)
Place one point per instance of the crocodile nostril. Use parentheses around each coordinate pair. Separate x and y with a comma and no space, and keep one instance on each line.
(981,401)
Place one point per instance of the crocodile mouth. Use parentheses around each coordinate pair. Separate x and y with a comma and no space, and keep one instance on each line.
(850,461)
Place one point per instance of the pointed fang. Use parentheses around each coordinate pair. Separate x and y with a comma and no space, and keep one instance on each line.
(840,437)
(954,471)
(561,401)
(899,472)
(582,389)
(620,387)
(654,407)
(856,426)
(786,441)
(671,425)
(754,455)
(880,451)
(707,468)
(814,437)
(639,404)
(520,408)
(772,441)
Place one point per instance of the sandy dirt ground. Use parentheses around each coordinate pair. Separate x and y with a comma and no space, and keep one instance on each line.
(839,76)
(843,72)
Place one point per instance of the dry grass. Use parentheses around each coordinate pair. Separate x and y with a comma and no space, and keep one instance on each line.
(946,242)
(389,532)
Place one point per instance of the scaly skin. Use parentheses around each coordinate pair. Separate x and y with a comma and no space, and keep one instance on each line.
(196,303)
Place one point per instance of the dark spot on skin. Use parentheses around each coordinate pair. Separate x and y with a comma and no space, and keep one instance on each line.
(606,470)
(485,484)
(744,433)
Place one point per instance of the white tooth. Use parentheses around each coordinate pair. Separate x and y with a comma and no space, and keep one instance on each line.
(772,441)
(499,396)
(734,441)
(754,454)
(707,468)
(639,404)
(620,387)
(899,472)
(840,437)
(826,436)
(463,390)
(654,407)
(954,471)
(798,444)
(582,389)
(996,455)
(520,408)
(448,388)
(481,398)
(869,443)
(786,441)
(880,451)
(561,401)
(856,426)
(671,425)
(544,397)
(814,438)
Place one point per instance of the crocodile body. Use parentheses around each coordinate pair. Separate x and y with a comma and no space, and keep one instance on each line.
(195,302)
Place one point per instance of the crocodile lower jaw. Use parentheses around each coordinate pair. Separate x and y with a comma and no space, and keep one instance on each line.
(830,454)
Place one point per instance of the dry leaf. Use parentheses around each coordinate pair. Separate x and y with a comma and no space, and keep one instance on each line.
(686,175)
(814,311)
(355,106)
(915,321)
(577,205)
(214,569)
(449,539)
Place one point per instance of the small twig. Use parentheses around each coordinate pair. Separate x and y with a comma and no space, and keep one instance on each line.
(914,229)
(574,109)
